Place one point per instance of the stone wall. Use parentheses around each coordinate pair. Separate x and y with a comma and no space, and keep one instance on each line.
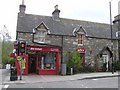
(93,46)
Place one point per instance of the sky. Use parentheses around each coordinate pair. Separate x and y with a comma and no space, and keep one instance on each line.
(88,10)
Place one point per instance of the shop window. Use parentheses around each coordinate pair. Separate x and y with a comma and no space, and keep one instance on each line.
(80,39)
(47,60)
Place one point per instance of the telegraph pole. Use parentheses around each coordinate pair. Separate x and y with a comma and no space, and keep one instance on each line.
(111,37)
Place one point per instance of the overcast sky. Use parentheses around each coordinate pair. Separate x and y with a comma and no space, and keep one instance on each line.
(88,10)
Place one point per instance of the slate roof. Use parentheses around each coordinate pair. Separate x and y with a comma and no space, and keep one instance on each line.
(65,26)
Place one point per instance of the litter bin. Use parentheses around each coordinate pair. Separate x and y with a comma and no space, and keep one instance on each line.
(13,74)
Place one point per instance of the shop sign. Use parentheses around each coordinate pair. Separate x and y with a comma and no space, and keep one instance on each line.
(81,50)
(35,49)
(54,49)
(46,49)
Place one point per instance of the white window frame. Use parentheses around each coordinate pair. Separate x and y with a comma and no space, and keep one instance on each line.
(40,36)
(80,39)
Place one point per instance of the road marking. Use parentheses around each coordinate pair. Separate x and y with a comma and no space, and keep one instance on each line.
(6,86)
(94,79)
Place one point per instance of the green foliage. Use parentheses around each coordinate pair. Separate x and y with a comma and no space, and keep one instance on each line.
(11,61)
(0,51)
(117,65)
(87,69)
(7,47)
(74,62)
(104,68)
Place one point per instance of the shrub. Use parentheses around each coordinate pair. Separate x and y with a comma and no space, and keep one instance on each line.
(11,61)
(87,69)
(117,65)
(74,62)
(104,68)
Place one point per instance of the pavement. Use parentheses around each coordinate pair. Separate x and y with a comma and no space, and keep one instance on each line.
(34,78)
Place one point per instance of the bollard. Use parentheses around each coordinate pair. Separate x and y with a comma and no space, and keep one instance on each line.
(71,71)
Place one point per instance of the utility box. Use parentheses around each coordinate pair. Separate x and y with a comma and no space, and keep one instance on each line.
(63,69)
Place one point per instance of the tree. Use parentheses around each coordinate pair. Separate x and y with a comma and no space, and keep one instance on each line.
(0,52)
(6,49)
(75,62)
(5,34)
(6,45)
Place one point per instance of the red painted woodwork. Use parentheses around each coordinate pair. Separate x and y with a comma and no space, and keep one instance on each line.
(50,71)
(43,49)
(38,70)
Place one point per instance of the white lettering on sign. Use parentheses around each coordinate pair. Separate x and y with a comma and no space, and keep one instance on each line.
(81,50)
(36,49)
(54,49)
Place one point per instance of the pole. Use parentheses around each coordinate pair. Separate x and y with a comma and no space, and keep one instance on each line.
(20,69)
(111,37)
(62,49)
(118,44)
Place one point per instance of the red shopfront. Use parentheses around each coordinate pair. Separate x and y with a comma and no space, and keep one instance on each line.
(41,60)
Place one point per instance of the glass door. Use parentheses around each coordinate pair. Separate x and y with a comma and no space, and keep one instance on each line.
(105,60)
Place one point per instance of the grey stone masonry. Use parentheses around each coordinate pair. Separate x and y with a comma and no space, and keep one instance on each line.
(64,33)
(93,46)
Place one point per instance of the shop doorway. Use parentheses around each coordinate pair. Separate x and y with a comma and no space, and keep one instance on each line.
(32,63)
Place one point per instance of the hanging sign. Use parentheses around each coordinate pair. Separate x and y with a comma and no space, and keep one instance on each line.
(81,50)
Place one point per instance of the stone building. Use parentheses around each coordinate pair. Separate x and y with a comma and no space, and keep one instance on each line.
(46,34)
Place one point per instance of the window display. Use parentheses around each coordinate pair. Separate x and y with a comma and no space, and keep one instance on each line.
(47,60)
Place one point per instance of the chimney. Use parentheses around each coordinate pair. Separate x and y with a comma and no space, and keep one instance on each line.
(56,13)
(22,7)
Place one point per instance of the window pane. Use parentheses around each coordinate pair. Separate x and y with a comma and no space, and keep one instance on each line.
(80,38)
(47,60)
(40,36)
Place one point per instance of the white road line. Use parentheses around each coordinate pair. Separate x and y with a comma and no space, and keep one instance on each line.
(94,79)
(6,86)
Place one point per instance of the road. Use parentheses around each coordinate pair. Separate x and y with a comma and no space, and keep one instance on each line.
(3,74)
(111,82)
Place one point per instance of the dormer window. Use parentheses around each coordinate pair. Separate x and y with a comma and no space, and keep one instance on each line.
(80,38)
(40,33)
(79,32)
(40,36)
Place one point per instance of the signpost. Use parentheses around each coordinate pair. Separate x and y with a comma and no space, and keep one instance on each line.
(19,58)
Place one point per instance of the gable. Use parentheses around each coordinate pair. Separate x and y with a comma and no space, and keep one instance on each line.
(41,26)
(79,30)
(106,50)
